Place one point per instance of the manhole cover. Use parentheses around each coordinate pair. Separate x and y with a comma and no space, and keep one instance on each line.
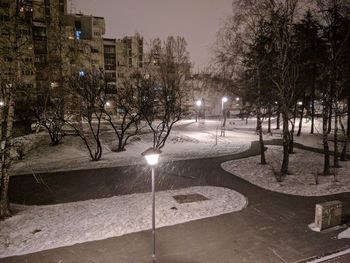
(189,198)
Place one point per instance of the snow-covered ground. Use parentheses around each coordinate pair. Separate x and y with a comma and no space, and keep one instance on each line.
(36,228)
(344,234)
(188,140)
(304,166)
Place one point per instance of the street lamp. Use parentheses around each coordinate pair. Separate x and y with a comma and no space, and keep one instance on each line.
(108,104)
(152,156)
(2,103)
(237,99)
(223,100)
(198,103)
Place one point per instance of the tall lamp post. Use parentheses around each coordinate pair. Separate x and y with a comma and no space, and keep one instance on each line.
(152,156)
(223,100)
(198,103)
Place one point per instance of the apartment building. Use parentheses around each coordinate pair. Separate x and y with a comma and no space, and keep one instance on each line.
(85,34)
(121,57)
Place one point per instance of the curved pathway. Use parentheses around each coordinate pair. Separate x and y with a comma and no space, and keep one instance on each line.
(273,228)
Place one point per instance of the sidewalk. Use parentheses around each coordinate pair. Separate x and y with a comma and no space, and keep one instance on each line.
(273,228)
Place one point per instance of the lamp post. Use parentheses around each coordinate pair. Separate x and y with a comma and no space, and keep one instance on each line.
(198,103)
(223,100)
(152,155)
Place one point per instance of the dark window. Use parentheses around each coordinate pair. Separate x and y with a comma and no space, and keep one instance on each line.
(4,18)
(78,25)
(7,59)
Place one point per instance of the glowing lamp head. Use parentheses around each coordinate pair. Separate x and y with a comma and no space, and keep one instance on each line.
(198,103)
(224,99)
(152,156)
(108,104)
(1,103)
(237,99)
(300,103)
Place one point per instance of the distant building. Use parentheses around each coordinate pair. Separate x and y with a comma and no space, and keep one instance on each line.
(121,57)
(85,34)
(110,63)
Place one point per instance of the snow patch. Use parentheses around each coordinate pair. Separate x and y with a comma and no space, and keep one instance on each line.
(344,234)
(37,228)
(304,166)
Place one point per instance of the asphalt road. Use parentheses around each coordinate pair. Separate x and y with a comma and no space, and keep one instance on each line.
(273,228)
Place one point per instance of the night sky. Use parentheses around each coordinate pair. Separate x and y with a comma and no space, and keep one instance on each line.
(196,20)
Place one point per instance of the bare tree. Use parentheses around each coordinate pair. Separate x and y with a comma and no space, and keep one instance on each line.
(14,47)
(123,110)
(86,106)
(163,91)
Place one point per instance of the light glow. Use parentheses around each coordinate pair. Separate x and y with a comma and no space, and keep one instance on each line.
(224,99)
(152,159)
(198,103)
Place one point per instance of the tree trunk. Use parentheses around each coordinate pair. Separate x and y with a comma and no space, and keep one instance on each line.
(326,164)
(6,161)
(278,119)
(313,102)
(301,114)
(269,120)
(261,140)
(330,113)
(285,161)
(346,140)
(335,159)
(348,115)
(291,133)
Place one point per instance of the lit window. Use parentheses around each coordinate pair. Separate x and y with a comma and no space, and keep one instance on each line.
(77,34)
(81,73)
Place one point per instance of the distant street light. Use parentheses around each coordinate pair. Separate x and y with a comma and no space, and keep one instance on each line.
(198,103)
(237,99)
(1,103)
(300,103)
(108,104)
(152,156)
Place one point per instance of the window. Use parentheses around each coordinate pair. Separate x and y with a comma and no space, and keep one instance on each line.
(27,72)
(5,32)
(7,59)
(4,18)
(109,49)
(77,35)
(27,60)
(81,73)
(78,25)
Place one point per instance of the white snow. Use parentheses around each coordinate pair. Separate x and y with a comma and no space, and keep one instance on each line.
(329,257)
(344,234)
(303,166)
(37,228)
(187,141)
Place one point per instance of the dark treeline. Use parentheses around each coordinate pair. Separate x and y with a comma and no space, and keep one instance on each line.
(291,60)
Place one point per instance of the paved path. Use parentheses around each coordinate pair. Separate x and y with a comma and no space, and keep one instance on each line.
(273,228)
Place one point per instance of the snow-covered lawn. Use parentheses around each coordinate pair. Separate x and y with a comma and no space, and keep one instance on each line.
(187,141)
(344,234)
(36,228)
(304,166)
